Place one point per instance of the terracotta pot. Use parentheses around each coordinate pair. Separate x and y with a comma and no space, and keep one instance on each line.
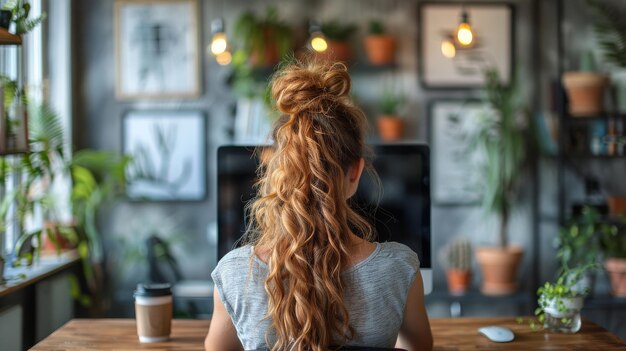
(337,51)
(459,281)
(390,128)
(617,205)
(380,49)
(616,268)
(585,91)
(269,56)
(51,229)
(499,269)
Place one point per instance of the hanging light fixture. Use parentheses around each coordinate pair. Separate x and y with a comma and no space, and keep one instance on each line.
(317,40)
(219,42)
(448,49)
(464,32)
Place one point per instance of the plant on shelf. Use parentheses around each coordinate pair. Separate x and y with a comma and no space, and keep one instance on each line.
(579,249)
(457,258)
(611,34)
(559,306)
(338,37)
(264,40)
(613,244)
(20,10)
(501,136)
(585,88)
(390,124)
(379,45)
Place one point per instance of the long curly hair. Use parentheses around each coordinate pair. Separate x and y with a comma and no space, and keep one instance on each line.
(301,214)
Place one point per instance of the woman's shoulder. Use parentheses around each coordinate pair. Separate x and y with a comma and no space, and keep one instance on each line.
(400,252)
(235,258)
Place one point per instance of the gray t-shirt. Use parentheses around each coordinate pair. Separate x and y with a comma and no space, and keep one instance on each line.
(375,294)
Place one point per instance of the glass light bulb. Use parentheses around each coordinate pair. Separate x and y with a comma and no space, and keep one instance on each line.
(447,48)
(319,44)
(464,34)
(218,44)
(224,58)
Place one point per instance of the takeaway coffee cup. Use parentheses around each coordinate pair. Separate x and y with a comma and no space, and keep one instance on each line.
(153,309)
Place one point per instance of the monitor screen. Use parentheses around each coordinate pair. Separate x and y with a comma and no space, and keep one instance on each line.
(399,210)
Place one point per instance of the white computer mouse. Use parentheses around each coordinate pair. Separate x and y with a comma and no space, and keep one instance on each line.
(497,334)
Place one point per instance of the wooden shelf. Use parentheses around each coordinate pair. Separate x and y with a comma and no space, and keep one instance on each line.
(7,38)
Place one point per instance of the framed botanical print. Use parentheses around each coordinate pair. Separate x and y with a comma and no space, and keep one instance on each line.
(168,150)
(156,49)
(455,164)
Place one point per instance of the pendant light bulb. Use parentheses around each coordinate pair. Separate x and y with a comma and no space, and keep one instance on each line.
(447,48)
(465,32)
(224,59)
(317,40)
(219,42)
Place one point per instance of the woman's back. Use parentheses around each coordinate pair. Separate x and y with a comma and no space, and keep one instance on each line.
(310,294)
(375,294)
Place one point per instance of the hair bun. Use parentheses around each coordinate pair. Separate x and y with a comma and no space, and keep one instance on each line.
(310,86)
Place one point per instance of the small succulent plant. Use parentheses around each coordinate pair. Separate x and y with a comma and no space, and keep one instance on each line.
(459,254)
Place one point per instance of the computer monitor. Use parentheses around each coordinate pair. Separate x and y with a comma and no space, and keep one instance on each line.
(399,210)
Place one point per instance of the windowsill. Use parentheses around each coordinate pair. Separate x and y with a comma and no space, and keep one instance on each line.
(20,277)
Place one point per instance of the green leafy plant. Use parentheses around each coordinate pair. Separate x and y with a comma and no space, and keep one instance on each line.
(613,239)
(556,300)
(579,244)
(391,102)
(501,134)
(21,12)
(336,30)
(610,30)
(97,177)
(260,35)
(376,27)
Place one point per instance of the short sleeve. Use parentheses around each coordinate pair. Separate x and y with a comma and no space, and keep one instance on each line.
(218,282)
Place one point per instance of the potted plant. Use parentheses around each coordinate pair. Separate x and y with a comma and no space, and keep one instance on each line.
(559,306)
(579,249)
(20,10)
(338,39)
(265,40)
(585,88)
(501,136)
(390,124)
(457,258)
(611,35)
(613,243)
(379,46)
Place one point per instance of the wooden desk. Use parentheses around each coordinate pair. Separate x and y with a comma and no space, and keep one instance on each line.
(449,334)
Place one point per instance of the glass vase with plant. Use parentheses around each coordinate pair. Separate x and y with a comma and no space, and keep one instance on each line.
(559,306)
(501,137)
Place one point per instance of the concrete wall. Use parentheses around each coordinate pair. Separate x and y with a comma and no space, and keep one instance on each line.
(191,225)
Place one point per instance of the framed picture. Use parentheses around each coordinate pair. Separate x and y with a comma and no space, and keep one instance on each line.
(156,49)
(456,176)
(443,63)
(169,155)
